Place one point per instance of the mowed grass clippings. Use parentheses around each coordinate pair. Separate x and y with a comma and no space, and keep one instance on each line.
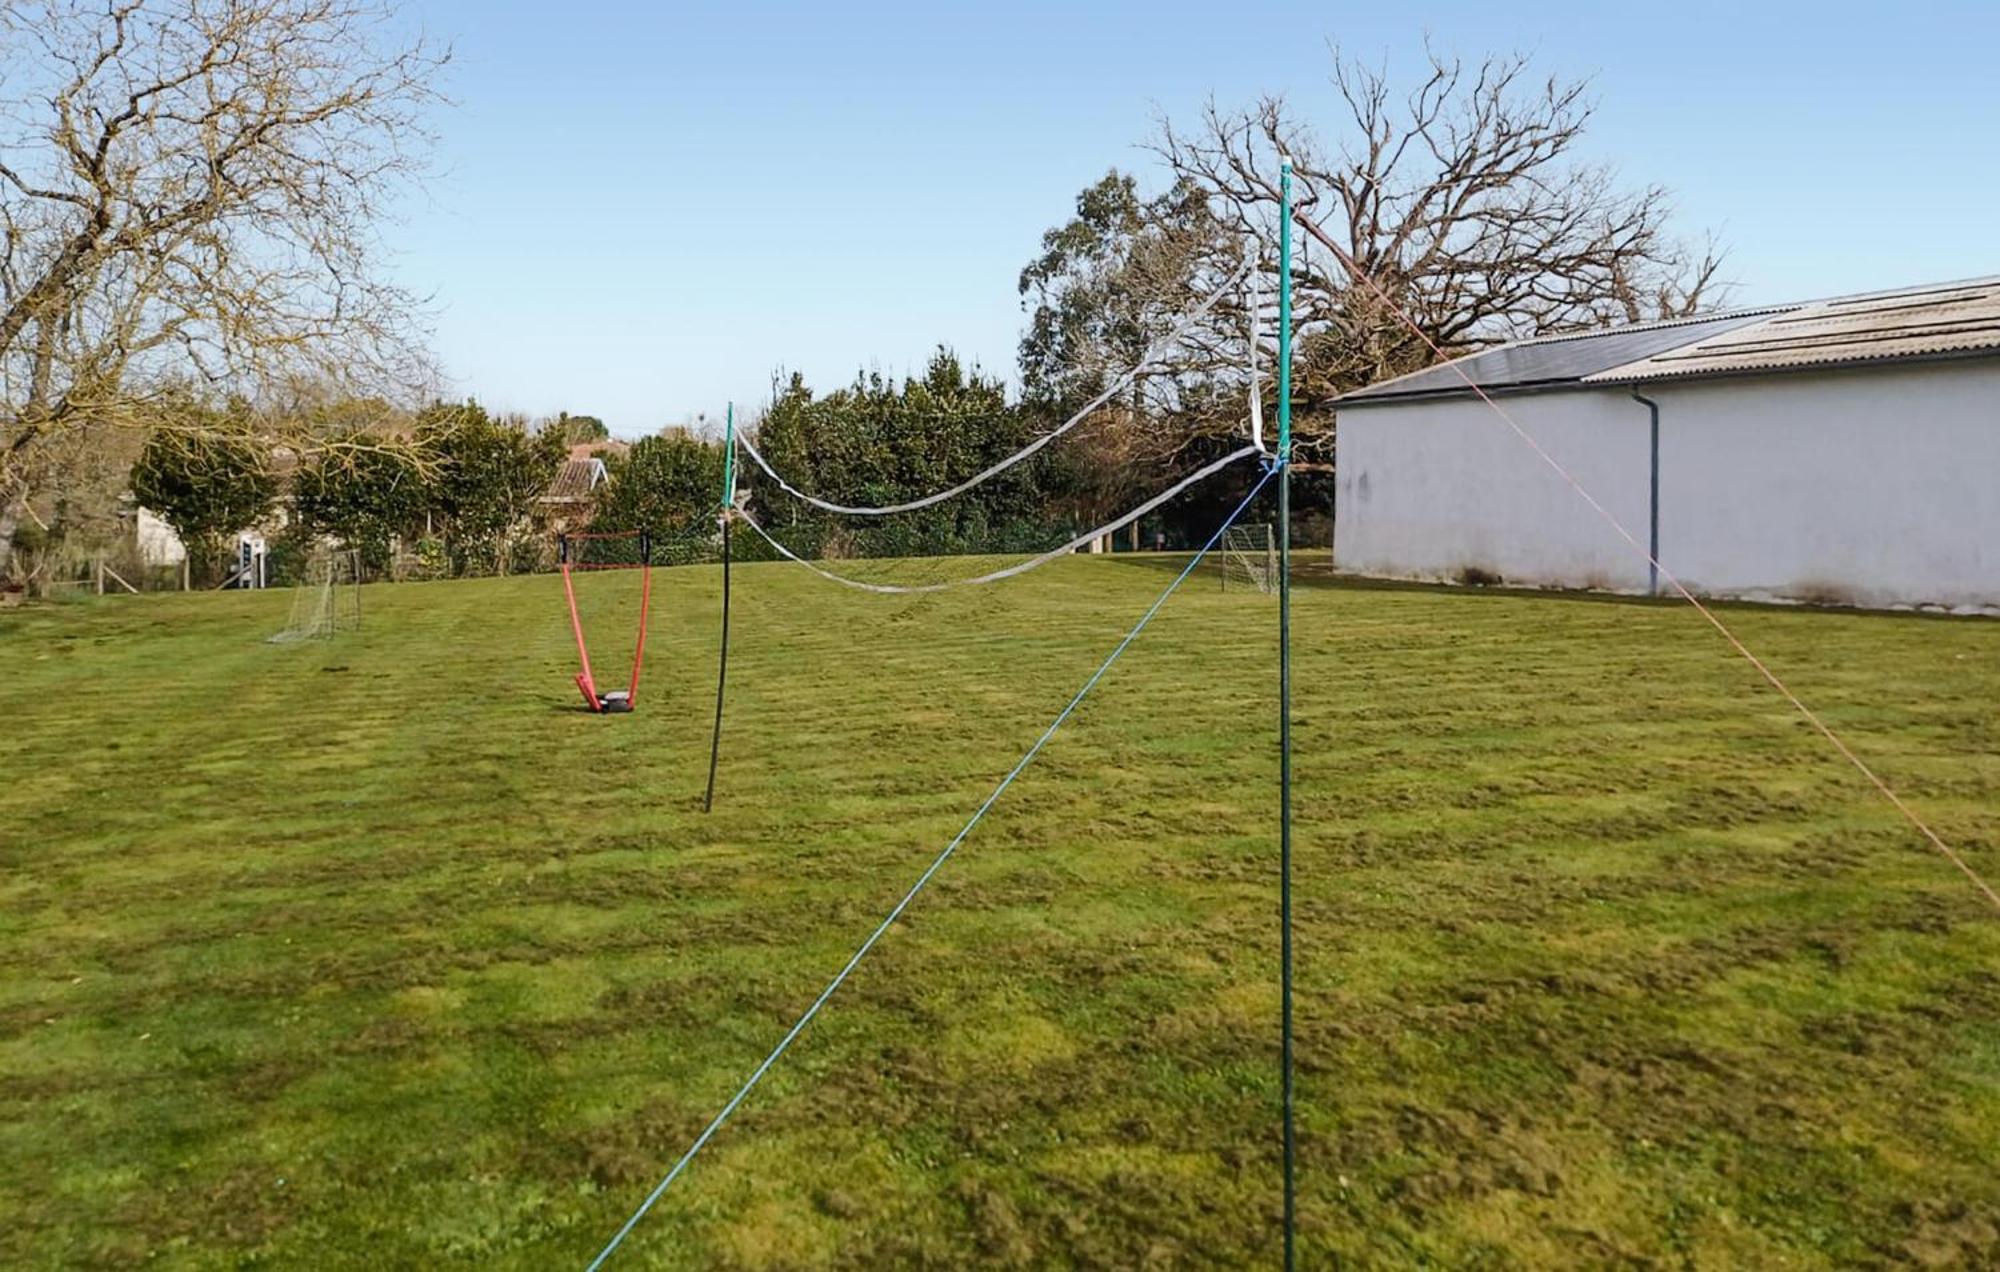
(379,952)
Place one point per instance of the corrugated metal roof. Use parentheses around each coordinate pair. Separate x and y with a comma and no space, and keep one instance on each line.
(1921,322)
(1552,360)
(1936,320)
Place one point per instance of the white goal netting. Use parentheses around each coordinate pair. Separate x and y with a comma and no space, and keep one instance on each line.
(327,599)
(1249,559)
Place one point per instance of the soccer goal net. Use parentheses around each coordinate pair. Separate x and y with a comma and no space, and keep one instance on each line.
(327,598)
(1249,559)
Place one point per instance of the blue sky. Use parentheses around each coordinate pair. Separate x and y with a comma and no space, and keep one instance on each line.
(644,210)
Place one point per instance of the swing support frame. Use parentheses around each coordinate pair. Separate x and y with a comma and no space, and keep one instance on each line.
(615,701)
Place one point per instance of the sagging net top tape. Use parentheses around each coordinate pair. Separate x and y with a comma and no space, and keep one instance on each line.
(1117,386)
(1021,567)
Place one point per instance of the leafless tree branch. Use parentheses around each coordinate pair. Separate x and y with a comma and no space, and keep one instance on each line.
(189,196)
(1462,198)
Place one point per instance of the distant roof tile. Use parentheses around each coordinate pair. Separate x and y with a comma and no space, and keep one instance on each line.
(576,479)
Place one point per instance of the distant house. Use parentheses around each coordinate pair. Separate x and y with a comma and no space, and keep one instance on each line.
(1840,451)
(567,501)
(158,546)
(155,540)
(576,481)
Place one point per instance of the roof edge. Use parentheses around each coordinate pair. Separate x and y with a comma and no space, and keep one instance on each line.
(1384,391)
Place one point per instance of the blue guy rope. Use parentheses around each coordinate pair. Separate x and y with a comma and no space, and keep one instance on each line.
(923,879)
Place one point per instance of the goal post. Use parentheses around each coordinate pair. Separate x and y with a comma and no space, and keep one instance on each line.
(327,598)
(1249,559)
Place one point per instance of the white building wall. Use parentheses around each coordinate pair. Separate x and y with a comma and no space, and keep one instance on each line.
(156,541)
(1866,486)
(1437,489)
(1873,486)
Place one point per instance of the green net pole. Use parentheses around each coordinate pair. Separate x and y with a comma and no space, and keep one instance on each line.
(722,659)
(1285,698)
(729,456)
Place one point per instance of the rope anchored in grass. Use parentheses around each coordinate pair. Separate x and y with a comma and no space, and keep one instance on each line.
(937,863)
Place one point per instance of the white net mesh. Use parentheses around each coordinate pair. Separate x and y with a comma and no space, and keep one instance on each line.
(1021,567)
(327,599)
(1249,559)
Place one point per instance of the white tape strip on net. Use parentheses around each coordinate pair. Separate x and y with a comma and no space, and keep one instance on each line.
(1118,386)
(1256,389)
(1012,570)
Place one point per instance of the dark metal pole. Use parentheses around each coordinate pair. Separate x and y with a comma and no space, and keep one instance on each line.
(1285,844)
(721,674)
(1653,506)
(722,664)
(1284,460)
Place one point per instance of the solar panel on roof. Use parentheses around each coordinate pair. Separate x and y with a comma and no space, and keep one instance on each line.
(1562,360)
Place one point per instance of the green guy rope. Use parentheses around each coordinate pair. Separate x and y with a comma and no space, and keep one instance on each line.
(937,864)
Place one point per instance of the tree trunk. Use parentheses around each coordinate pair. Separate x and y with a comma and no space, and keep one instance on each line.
(12,502)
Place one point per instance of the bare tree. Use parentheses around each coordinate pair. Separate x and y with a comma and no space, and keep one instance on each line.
(1463,200)
(189,192)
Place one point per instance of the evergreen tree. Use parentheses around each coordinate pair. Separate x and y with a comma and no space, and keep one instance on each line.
(207,484)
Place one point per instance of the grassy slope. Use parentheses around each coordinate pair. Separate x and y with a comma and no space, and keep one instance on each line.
(376,952)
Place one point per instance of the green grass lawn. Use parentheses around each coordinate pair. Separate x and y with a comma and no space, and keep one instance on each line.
(379,952)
